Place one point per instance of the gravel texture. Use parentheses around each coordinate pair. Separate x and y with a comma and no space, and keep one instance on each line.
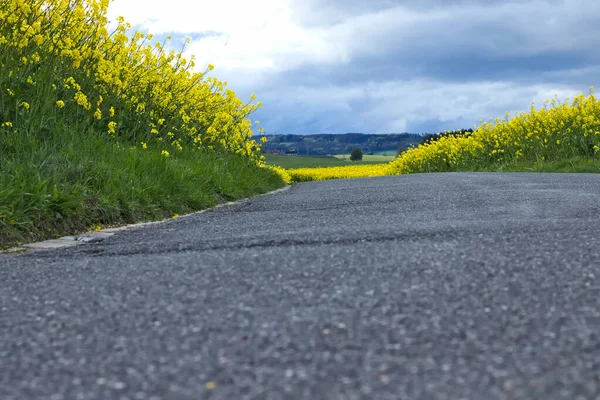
(427,286)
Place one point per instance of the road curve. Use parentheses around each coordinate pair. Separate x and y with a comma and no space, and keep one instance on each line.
(428,286)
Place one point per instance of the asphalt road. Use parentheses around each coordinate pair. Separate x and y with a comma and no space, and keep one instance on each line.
(433,286)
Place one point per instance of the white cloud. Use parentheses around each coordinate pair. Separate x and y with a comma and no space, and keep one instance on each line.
(382,65)
(196,16)
(256,34)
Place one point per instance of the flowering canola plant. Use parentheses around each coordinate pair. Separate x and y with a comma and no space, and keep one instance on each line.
(59,62)
(555,132)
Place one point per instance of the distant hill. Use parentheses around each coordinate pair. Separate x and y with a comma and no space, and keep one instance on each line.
(323,144)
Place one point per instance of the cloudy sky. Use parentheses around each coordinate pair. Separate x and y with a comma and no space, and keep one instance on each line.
(384,66)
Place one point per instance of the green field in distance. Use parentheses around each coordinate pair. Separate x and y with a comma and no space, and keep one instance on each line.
(370,159)
(299,161)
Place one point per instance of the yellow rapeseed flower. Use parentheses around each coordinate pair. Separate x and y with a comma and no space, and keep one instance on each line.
(60,104)
(144,145)
(177,145)
(111,127)
(164,153)
(82,100)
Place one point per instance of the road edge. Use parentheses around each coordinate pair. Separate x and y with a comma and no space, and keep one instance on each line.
(97,236)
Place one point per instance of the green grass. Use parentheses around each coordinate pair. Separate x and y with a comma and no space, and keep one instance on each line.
(66,182)
(287,162)
(370,159)
(300,161)
(573,164)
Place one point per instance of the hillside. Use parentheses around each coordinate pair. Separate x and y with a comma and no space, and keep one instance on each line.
(324,144)
(100,129)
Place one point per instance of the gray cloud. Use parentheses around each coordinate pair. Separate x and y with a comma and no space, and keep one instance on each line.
(397,106)
(427,65)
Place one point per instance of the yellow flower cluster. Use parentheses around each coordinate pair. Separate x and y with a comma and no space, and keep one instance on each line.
(555,132)
(282,172)
(350,171)
(444,154)
(60,52)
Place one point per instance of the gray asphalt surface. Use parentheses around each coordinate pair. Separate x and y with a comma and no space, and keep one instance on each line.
(433,286)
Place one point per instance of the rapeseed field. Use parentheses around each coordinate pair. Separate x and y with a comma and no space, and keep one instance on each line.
(350,171)
(557,132)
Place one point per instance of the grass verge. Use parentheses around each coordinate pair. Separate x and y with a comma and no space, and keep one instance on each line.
(67,182)
(572,165)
